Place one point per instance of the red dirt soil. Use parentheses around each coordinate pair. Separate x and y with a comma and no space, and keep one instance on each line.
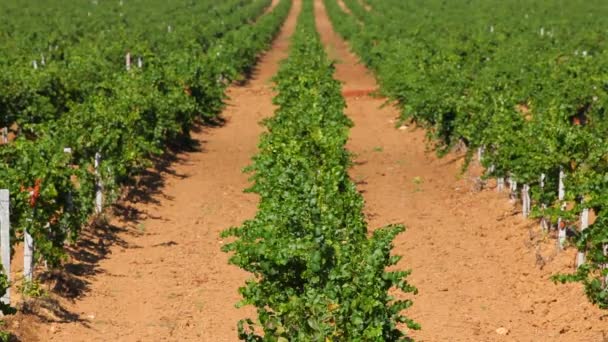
(478,265)
(474,259)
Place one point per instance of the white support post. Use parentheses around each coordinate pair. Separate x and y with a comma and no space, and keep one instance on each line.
(544,225)
(500,184)
(128,61)
(28,256)
(35,65)
(580,256)
(525,198)
(561,193)
(169,29)
(605,280)
(542,180)
(513,189)
(140,62)
(99,185)
(480,152)
(5,242)
(42,59)
(69,199)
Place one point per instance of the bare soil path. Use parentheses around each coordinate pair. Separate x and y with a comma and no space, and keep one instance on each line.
(474,259)
(167,279)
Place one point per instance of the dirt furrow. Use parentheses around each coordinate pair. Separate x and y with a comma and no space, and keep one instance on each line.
(478,265)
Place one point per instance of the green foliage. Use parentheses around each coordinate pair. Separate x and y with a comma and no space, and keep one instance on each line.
(5,336)
(5,309)
(594,273)
(317,274)
(525,80)
(32,289)
(83,97)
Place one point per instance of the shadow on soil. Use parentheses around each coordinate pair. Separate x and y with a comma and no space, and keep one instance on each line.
(73,279)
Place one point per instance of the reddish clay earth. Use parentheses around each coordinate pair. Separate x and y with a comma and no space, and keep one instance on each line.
(160,274)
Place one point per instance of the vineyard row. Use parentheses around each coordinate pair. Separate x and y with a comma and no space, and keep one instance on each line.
(86,124)
(522,85)
(317,274)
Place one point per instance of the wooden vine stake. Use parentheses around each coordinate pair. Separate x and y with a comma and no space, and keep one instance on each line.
(580,256)
(525,198)
(5,135)
(561,193)
(5,243)
(98,185)
(128,61)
